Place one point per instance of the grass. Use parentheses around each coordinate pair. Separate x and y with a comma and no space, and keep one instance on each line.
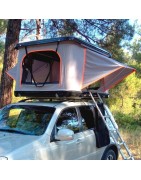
(133,141)
(130,130)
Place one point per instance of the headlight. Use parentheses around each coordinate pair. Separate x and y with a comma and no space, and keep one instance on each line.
(3,158)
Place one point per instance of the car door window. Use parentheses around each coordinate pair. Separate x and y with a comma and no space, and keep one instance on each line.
(88,119)
(68,119)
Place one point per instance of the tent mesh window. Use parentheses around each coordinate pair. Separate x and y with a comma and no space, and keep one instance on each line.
(41,67)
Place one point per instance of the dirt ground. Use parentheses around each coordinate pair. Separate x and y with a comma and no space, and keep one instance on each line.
(133,141)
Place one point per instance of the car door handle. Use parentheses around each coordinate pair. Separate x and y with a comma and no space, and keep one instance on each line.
(78,141)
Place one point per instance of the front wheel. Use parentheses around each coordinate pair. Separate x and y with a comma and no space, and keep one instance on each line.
(109,155)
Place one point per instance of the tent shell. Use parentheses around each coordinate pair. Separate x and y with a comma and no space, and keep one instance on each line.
(75,65)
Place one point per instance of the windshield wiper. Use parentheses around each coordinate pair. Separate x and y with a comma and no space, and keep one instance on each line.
(15,131)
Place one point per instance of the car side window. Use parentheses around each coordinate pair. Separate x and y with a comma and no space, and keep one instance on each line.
(68,119)
(88,119)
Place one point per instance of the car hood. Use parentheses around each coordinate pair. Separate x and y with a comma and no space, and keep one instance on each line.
(10,142)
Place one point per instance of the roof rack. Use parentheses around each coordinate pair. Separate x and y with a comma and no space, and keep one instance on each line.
(95,94)
(61,94)
(65,96)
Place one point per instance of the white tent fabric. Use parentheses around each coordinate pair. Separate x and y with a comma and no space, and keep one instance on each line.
(109,71)
(79,67)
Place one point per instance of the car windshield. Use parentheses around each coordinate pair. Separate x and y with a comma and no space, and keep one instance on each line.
(25,119)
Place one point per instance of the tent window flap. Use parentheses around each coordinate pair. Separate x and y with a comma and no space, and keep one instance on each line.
(40,68)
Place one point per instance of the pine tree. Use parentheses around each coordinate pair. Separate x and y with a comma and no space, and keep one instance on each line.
(10,56)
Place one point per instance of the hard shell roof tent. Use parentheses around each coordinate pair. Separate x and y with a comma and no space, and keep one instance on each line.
(65,64)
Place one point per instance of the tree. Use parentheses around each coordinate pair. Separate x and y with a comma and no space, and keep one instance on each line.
(107,33)
(135,47)
(125,98)
(38,29)
(10,56)
(3,26)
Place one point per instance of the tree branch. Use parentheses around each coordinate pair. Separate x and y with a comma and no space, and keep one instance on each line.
(31,30)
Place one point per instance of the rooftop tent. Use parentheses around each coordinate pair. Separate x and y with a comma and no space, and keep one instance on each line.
(64,64)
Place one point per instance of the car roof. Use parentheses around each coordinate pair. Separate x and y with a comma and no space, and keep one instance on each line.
(55,104)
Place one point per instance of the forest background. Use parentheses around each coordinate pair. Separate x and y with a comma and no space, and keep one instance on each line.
(122,37)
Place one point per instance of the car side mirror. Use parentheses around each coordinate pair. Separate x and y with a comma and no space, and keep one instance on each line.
(64,135)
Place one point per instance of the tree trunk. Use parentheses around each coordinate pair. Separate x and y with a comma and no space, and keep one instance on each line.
(38,33)
(10,59)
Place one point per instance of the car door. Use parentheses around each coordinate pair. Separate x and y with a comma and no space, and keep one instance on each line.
(71,149)
(88,130)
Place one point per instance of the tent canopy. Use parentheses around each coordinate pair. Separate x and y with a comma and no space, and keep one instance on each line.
(64,64)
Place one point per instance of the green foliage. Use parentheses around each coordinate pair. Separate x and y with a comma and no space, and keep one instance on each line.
(125,95)
(134,47)
(125,100)
(120,32)
(136,50)
(1,48)
(128,121)
(68,27)
(3,25)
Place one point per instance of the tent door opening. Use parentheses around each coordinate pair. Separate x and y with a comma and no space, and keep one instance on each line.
(40,68)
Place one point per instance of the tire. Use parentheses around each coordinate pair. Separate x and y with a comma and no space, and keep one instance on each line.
(109,155)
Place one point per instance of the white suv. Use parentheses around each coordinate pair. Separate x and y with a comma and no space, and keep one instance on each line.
(54,131)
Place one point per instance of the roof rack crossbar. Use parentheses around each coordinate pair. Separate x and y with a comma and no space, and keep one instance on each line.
(76,97)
